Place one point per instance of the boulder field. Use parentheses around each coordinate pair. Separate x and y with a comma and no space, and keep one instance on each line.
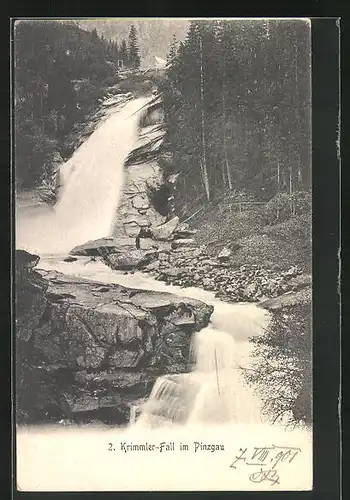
(178,260)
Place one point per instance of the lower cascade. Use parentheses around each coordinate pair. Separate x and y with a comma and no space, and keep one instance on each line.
(212,393)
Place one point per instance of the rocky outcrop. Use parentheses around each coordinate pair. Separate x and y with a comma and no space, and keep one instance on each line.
(144,179)
(94,349)
(135,209)
(104,246)
(107,246)
(133,259)
(290,299)
(165,231)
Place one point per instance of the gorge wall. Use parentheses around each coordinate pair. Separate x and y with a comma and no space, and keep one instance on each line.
(145,199)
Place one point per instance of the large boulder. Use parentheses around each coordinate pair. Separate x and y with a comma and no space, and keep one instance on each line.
(81,330)
(303,296)
(166,230)
(133,259)
(104,246)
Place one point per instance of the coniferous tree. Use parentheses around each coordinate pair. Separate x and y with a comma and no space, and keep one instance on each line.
(134,57)
(124,53)
(171,57)
(236,95)
(60,72)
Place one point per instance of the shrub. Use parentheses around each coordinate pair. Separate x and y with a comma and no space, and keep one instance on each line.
(283,206)
(282,372)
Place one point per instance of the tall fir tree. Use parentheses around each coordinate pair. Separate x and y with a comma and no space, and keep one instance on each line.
(124,53)
(60,73)
(134,56)
(236,108)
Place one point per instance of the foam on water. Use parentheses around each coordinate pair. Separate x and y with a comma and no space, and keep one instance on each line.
(93,180)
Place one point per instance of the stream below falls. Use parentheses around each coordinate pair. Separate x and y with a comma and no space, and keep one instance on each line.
(214,391)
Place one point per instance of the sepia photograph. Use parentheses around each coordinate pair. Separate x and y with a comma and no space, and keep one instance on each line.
(163,254)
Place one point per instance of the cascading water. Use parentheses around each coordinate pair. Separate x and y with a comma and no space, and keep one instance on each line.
(93,179)
(213,391)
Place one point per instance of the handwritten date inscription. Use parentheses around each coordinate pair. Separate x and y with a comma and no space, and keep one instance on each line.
(267,458)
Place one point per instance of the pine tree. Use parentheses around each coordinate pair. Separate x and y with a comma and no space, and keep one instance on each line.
(204,146)
(236,107)
(124,53)
(134,57)
(222,55)
(49,56)
(172,55)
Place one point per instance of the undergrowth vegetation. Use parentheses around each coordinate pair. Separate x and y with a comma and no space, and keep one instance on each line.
(282,371)
(258,234)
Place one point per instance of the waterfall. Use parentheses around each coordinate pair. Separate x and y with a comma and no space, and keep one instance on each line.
(93,181)
(213,351)
(213,392)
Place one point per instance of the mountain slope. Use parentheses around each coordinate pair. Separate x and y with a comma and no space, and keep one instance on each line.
(154,35)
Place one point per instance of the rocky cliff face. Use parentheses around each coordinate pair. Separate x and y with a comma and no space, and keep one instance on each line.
(90,350)
(145,197)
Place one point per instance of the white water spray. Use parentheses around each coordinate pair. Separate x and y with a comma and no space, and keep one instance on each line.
(93,180)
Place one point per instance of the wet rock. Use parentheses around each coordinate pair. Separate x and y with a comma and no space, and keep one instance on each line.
(163,256)
(165,231)
(208,283)
(153,266)
(301,281)
(131,259)
(293,271)
(104,246)
(70,259)
(103,333)
(30,295)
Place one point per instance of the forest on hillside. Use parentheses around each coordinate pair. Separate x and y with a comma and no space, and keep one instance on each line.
(237,109)
(60,73)
(155,34)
